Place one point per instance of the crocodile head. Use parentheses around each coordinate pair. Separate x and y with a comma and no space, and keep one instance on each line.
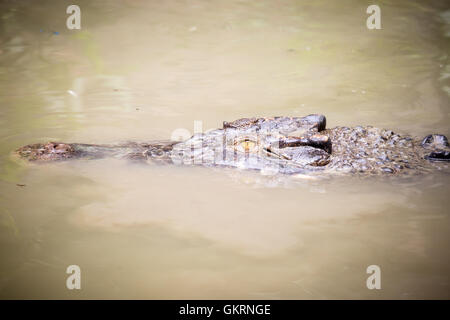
(279,144)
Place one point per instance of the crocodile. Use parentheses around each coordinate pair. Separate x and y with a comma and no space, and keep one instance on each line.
(285,145)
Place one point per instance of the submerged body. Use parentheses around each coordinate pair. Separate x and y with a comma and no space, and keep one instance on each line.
(286,145)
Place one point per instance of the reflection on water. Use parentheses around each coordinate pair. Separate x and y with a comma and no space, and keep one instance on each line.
(137,71)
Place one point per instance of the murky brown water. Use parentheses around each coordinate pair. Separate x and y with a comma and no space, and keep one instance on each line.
(139,70)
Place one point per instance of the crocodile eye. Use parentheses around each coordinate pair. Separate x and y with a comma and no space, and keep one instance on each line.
(246,145)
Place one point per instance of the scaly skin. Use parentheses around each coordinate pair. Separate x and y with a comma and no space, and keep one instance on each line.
(286,145)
